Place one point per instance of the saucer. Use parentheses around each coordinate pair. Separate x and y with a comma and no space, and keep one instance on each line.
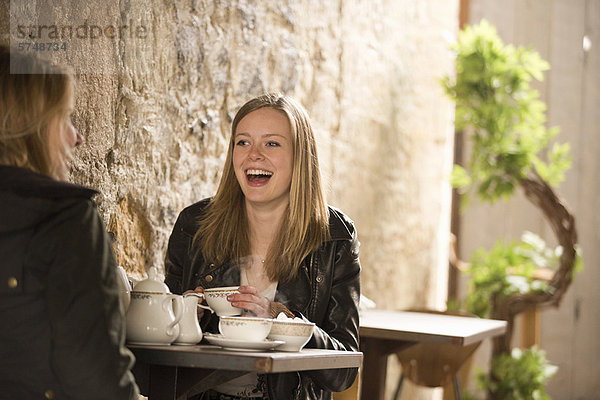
(147,343)
(244,345)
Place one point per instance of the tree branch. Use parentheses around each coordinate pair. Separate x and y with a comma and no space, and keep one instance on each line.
(563,224)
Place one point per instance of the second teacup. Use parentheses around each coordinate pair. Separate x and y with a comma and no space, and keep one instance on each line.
(250,329)
(217,300)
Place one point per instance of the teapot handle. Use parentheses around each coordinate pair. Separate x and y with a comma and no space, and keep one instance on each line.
(124,288)
(177,302)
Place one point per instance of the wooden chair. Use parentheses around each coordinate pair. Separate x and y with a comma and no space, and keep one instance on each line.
(351,393)
(433,364)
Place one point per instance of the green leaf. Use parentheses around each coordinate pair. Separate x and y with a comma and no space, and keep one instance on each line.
(521,375)
(459,177)
(495,100)
(507,269)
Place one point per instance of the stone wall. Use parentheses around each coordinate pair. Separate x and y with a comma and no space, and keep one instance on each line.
(155,111)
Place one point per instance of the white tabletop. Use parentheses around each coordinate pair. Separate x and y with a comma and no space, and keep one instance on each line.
(426,327)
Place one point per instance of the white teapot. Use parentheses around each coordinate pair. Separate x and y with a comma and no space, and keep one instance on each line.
(153,313)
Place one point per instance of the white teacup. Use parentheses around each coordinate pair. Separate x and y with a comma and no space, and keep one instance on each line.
(250,329)
(217,300)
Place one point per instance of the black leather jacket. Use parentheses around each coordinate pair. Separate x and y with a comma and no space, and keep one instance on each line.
(62,329)
(326,292)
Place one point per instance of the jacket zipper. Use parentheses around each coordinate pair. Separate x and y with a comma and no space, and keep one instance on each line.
(313,285)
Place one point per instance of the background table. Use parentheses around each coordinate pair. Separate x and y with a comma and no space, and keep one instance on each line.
(384,332)
(171,372)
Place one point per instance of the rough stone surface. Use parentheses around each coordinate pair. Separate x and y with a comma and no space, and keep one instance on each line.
(155,113)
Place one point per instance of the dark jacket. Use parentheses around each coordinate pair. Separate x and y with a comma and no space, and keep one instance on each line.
(62,329)
(326,292)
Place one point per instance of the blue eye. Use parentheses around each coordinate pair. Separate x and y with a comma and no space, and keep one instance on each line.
(272,144)
(241,142)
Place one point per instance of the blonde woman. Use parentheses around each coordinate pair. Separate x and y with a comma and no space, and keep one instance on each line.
(269,230)
(62,328)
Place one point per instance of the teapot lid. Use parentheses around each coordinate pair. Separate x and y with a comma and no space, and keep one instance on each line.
(153,284)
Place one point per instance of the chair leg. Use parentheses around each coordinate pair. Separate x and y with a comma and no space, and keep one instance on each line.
(457,393)
(399,387)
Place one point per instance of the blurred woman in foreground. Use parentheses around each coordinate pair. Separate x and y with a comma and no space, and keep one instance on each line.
(62,330)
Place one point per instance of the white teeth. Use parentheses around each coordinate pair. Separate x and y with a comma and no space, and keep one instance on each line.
(258,172)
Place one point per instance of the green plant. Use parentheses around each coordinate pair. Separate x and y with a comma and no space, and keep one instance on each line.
(495,100)
(503,117)
(521,375)
(507,269)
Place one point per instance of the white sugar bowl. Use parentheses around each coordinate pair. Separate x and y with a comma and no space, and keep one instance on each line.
(154,312)
(294,332)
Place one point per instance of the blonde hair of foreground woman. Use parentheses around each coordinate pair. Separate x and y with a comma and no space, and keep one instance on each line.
(36,100)
(223,234)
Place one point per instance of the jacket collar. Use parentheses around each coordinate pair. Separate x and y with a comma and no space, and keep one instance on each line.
(339,225)
(25,182)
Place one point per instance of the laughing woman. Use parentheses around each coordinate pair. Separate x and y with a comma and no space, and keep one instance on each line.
(62,327)
(269,230)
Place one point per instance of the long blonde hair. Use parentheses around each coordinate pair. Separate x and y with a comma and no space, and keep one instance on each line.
(35,93)
(223,235)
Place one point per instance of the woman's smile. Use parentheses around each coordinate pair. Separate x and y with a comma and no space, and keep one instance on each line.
(258,177)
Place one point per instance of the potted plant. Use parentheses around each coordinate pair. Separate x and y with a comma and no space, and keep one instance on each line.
(504,119)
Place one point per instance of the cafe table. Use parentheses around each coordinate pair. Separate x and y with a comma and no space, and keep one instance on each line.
(385,332)
(174,372)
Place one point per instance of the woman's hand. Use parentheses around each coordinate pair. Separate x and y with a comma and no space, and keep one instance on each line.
(250,299)
(199,289)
